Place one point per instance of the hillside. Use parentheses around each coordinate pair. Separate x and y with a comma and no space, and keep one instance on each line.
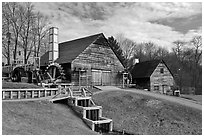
(13,85)
(41,118)
(141,114)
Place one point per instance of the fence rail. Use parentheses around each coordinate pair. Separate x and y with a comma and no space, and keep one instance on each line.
(10,94)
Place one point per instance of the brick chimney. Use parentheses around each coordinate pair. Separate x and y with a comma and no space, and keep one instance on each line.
(53,44)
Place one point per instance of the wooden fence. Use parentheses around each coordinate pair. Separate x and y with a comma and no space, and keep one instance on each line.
(11,94)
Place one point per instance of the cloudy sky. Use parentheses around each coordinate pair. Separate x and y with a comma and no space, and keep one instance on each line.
(161,23)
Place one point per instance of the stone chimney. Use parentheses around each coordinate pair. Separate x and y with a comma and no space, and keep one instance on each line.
(53,44)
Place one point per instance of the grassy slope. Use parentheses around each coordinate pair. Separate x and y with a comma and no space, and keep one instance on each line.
(40,118)
(139,114)
(13,85)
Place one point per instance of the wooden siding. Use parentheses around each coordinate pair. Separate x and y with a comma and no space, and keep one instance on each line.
(99,57)
(163,80)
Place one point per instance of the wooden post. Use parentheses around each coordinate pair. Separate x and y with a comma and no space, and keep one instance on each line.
(84,113)
(39,93)
(59,89)
(123,81)
(76,101)
(3,95)
(32,94)
(26,94)
(19,94)
(100,112)
(111,126)
(11,95)
(93,126)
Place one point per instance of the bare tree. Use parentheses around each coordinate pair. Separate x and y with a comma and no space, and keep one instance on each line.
(13,12)
(28,30)
(6,35)
(197,48)
(150,50)
(41,31)
(178,50)
(161,52)
(25,34)
(128,47)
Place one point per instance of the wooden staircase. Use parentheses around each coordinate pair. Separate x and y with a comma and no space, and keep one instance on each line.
(82,103)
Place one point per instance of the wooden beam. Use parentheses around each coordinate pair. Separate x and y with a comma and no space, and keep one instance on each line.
(19,94)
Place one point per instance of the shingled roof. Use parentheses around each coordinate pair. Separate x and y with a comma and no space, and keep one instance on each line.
(145,69)
(69,50)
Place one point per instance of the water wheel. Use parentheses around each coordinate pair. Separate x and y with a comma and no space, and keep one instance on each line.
(54,72)
(17,74)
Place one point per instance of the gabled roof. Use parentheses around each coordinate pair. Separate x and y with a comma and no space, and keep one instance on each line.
(69,50)
(145,69)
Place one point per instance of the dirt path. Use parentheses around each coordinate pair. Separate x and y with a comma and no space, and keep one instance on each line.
(178,100)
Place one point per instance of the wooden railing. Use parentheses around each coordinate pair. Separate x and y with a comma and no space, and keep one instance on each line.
(13,94)
(10,94)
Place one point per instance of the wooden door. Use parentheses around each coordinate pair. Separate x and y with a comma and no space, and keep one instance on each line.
(96,77)
(164,89)
(106,78)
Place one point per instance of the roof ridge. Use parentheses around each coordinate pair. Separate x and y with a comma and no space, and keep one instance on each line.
(82,38)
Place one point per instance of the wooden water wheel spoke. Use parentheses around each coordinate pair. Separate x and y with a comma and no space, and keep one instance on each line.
(54,72)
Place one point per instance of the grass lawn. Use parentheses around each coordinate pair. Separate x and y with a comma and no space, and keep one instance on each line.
(140,114)
(15,85)
(40,118)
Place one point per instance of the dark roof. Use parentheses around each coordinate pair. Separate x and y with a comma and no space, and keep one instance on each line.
(69,50)
(144,69)
(44,59)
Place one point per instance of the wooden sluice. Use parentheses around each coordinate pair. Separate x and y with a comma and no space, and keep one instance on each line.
(90,113)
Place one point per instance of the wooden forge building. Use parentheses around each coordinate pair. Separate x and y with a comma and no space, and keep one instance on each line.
(87,61)
(153,75)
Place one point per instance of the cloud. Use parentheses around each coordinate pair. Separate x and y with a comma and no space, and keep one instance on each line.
(137,21)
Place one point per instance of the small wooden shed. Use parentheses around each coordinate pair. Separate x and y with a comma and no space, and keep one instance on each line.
(88,61)
(153,75)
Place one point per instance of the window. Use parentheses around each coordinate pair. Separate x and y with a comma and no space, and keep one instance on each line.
(156,87)
(161,70)
(19,53)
